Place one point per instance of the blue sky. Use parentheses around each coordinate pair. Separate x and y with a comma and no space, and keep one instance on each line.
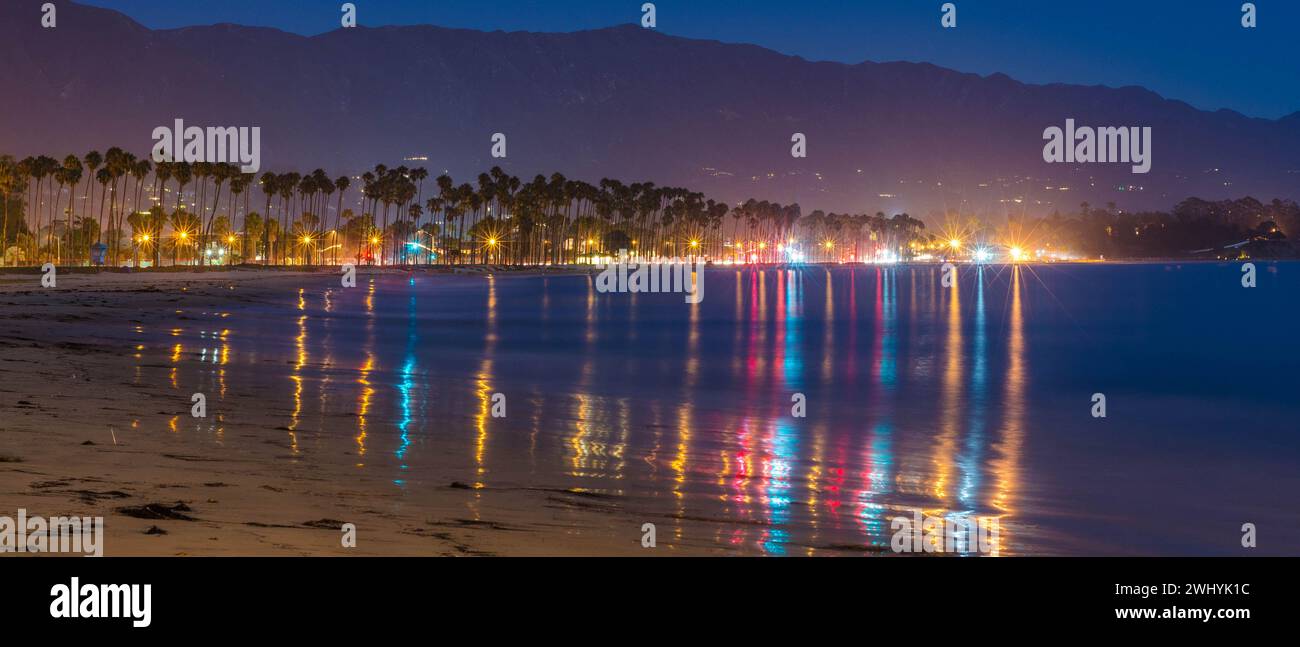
(1192,50)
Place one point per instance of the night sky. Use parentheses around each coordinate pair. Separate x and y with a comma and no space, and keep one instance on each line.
(1193,51)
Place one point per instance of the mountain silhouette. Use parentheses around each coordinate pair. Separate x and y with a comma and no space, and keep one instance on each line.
(622,102)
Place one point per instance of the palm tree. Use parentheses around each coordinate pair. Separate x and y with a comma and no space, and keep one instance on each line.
(238,184)
(184,226)
(182,172)
(341,184)
(161,174)
(41,168)
(157,220)
(11,182)
(288,184)
(220,229)
(125,165)
(252,228)
(103,176)
(140,171)
(139,223)
(270,187)
(93,160)
(69,175)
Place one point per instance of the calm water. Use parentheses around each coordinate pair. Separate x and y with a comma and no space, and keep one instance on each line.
(973,401)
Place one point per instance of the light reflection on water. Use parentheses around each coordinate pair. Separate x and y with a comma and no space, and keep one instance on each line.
(918,397)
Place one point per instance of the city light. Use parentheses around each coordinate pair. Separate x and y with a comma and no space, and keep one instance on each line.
(954,243)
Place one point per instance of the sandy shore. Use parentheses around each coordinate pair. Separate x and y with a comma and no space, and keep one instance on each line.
(78,437)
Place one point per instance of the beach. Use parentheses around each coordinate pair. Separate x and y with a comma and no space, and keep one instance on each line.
(377,406)
(79,437)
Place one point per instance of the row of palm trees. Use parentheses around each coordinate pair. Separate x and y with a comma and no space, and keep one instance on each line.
(53,211)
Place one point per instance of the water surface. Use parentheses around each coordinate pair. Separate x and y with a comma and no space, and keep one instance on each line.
(967,402)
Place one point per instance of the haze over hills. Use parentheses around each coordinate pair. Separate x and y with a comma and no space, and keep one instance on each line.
(622,102)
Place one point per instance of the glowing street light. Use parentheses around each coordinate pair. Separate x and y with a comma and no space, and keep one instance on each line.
(954,243)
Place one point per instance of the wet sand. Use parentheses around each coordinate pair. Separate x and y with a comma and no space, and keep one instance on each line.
(77,438)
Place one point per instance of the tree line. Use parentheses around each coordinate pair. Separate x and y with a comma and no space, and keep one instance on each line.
(115,208)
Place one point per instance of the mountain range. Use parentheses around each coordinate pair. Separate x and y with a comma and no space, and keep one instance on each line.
(622,102)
